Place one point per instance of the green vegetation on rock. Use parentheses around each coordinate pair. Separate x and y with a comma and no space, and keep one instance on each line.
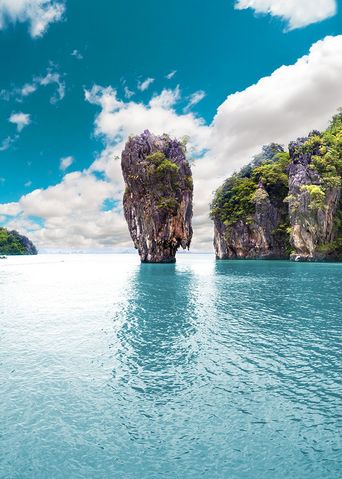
(317,196)
(161,169)
(164,175)
(12,243)
(169,204)
(235,199)
(328,162)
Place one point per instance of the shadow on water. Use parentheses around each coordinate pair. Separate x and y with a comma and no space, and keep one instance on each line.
(154,341)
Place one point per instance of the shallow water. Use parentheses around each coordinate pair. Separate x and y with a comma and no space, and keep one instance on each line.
(202,369)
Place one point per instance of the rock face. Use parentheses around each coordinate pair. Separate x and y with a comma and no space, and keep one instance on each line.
(312,205)
(284,205)
(249,217)
(158,197)
(257,238)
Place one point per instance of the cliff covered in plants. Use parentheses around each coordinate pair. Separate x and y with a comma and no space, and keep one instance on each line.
(158,196)
(13,243)
(284,204)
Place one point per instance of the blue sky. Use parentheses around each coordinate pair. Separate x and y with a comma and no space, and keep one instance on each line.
(77,78)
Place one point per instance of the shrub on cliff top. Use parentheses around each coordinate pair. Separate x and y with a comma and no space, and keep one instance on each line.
(235,199)
(326,152)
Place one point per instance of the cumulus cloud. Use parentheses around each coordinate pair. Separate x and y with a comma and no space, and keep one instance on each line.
(71,212)
(66,162)
(166,99)
(38,13)
(297,13)
(144,85)
(10,209)
(289,103)
(20,120)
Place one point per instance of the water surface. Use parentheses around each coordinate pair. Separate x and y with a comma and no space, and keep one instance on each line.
(202,369)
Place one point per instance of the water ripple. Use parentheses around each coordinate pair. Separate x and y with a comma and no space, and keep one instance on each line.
(109,368)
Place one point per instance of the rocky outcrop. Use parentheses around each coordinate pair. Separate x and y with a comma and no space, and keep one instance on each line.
(258,237)
(13,243)
(284,205)
(158,197)
(250,217)
(312,204)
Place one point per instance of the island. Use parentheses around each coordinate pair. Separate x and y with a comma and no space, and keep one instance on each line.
(284,204)
(13,243)
(158,196)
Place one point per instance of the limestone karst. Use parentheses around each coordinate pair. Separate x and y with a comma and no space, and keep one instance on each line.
(158,196)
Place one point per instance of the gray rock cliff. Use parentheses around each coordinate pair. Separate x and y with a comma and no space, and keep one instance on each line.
(312,204)
(158,197)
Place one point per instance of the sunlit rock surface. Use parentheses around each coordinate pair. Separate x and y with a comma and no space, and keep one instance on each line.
(313,206)
(158,196)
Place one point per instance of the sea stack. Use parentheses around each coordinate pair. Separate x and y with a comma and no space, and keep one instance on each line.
(158,196)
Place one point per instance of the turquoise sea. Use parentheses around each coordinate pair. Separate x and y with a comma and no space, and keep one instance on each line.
(215,370)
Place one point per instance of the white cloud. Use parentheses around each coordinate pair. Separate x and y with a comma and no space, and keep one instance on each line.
(280,107)
(144,85)
(20,119)
(51,77)
(78,55)
(7,142)
(66,162)
(38,13)
(10,209)
(166,99)
(72,214)
(170,75)
(128,93)
(194,99)
(28,88)
(297,13)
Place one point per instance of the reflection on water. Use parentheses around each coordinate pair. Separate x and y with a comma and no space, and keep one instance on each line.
(196,369)
(158,323)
